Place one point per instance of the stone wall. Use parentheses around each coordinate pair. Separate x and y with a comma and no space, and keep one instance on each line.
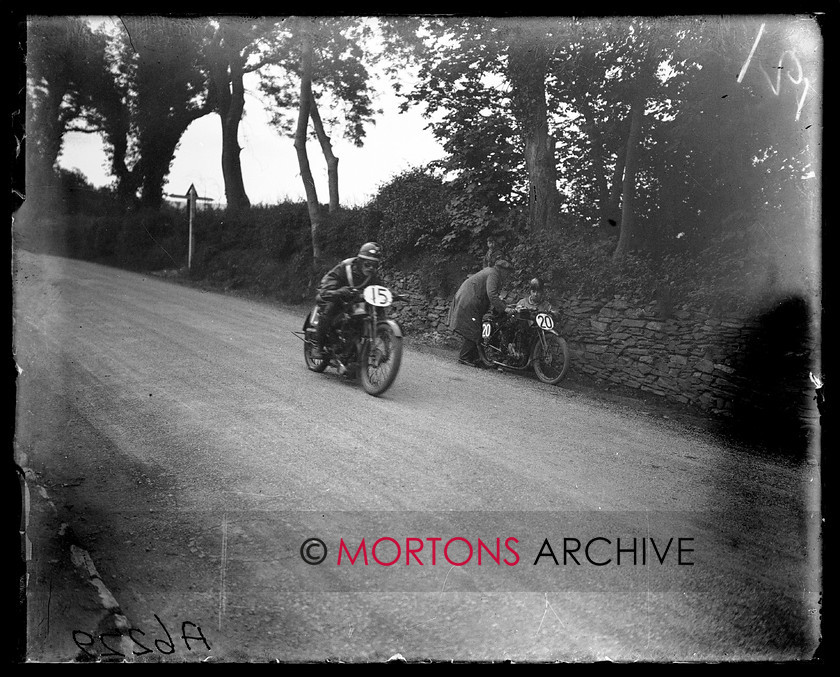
(689,356)
(422,313)
(750,367)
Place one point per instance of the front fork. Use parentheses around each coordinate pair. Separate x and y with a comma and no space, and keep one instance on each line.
(368,338)
(540,343)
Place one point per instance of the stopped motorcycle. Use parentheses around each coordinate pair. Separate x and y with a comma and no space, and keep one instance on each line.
(527,339)
(362,341)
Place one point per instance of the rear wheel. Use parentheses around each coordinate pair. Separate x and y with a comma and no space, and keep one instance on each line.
(552,360)
(380,360)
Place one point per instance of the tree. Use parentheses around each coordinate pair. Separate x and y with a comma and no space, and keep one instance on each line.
(464,98)
(304,112)
(708,144)
(106,107)
(528,55)
(326,58)
(235,47)
(610,83)
(169,91)
(496,69)
(587,100)
(55,54)
(734,151)
(227,94)
(628,231)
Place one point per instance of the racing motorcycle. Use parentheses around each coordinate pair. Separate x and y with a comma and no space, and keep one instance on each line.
(527,339)
(362,341)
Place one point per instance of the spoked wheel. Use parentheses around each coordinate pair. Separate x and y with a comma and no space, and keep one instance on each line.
(311,363)
(552,360)
(380,360)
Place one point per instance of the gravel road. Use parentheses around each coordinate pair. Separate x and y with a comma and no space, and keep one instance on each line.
(178,454)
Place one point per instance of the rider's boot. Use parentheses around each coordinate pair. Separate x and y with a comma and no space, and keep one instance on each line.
(320,339)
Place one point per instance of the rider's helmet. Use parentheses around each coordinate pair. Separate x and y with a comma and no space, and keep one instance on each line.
(369,257)
(371,251)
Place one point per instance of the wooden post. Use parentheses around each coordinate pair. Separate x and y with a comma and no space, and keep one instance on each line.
(192,194)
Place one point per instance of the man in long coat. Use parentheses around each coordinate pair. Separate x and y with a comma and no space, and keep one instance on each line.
(474,298)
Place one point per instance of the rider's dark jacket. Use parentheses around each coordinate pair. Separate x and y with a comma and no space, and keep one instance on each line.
(348,273)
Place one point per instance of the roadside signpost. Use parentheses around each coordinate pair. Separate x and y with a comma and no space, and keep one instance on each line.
(192,199)
(192,196)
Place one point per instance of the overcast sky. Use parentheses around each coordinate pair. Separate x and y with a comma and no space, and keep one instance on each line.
(269,162)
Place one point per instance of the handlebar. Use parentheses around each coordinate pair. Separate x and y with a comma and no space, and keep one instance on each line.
(355,294)
(530,313)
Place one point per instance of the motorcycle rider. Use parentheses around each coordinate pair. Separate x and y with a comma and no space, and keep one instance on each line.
(340,286)
(535,300)
(536,297)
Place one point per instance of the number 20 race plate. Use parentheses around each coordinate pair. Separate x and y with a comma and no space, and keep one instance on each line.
(545,321)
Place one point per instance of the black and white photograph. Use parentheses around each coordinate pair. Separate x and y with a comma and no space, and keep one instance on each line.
(419,338)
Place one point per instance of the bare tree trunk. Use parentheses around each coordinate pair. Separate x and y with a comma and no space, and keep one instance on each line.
(300,146)
(332,160)
(235,194)
(600,170)
(226,75)
(628,234)
(126,180)
(614,203)
(154,166)
(526,70)
(542,192)
(614,200)
(601,180)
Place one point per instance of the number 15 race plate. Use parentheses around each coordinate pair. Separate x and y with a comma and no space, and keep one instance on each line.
(378,296)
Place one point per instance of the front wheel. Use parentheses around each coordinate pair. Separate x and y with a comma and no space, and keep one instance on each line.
(380,360)
(552,359)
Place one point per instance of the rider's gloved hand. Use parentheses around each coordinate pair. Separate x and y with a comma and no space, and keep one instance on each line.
(346,293)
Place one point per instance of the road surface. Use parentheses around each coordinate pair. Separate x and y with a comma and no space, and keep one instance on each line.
(179,454)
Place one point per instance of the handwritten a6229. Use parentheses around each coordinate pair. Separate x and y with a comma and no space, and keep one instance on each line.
(109,640)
